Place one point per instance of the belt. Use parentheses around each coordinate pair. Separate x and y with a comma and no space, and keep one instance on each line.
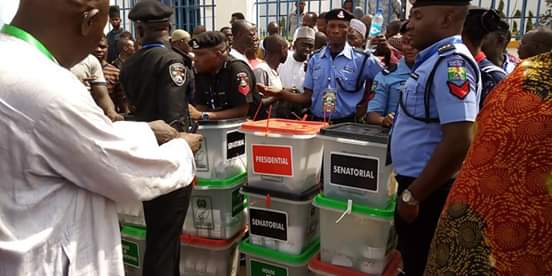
(349,119)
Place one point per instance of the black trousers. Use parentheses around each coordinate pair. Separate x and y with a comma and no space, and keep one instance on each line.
(415,238)
(164,219)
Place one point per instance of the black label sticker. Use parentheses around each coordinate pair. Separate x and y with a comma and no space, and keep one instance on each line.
(354,171)
(235,144)
(237,202)
(268,223)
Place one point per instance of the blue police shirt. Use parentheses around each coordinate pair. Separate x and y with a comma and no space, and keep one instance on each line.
(323,73)
(387,88)
(455,93)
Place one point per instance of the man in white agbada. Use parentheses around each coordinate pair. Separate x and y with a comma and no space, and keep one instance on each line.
(64,163)
(292,71)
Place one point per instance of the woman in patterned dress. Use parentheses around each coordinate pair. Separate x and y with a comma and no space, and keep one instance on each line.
(498,216)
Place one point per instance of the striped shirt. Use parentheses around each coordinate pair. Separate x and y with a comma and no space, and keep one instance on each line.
(111,74)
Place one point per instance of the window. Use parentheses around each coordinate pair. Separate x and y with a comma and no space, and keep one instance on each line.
(191,13)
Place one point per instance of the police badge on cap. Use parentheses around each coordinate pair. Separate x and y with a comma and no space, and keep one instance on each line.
(207,40)
(339,14)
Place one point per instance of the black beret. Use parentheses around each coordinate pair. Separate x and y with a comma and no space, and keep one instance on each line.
(207,40)
(114,11)
(422,3)
(339,14)
(150,11)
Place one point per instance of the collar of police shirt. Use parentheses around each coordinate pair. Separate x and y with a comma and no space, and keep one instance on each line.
(347,52)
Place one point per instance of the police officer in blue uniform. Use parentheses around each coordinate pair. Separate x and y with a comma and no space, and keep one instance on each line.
(479,23)
(433,129)
(336,75)
(389,83)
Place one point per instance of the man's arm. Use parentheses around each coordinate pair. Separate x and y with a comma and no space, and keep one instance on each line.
(102,99)
(172,97)
(457,101)
(287,95)
(378,104)
(235,112)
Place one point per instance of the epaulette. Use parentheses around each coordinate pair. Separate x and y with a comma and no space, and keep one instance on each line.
(446,48)
(390,69)
(318,51)
(360,51)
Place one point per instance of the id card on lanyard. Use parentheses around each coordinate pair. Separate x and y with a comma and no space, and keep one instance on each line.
(329,96)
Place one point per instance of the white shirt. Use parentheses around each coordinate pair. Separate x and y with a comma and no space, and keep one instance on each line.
(64,165)
(292,73)
(89,71)
(267,76)
(237,55)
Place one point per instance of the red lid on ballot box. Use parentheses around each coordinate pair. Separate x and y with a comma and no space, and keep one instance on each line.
(283,126)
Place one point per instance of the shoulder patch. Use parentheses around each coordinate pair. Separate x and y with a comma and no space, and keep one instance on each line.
(359,51)
(177,72)
(243,83)
(457,70)
(318,51)
(374,86)
(446,48)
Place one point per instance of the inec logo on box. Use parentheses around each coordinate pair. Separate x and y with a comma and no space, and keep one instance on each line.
(262,269)
(131,253)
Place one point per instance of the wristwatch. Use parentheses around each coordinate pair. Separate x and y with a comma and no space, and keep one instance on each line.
(408,198)
(204,116)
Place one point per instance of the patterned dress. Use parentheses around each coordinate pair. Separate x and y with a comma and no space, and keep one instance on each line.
(498,216)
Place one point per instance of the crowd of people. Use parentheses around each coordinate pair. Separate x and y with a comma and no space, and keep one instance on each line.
(111,118)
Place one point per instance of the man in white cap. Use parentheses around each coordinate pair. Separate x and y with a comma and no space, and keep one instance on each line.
(292,72)
(179,43)
(357,34)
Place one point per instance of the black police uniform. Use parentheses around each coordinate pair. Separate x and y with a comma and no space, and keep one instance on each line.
(156,82)
(187,59)
(233,85)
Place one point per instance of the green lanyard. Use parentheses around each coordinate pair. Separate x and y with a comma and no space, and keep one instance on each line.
(27,37)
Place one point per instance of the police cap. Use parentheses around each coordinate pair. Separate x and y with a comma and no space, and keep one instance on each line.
(150,11)
(423,3)
(339,14)
(207,40)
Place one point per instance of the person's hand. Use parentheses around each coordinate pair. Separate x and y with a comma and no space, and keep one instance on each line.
(268,91)
(408,213)
(163,132)
(194,113)
(388,120)
(114,117)
(382,46)
(194,140)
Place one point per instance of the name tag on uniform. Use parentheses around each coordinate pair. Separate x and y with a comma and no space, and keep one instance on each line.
(348,69)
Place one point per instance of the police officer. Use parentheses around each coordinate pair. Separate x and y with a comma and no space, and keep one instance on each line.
(389,83)
(155,78)
(336,75)
(225,87)
(433,128)
(156,82)
(480,23)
